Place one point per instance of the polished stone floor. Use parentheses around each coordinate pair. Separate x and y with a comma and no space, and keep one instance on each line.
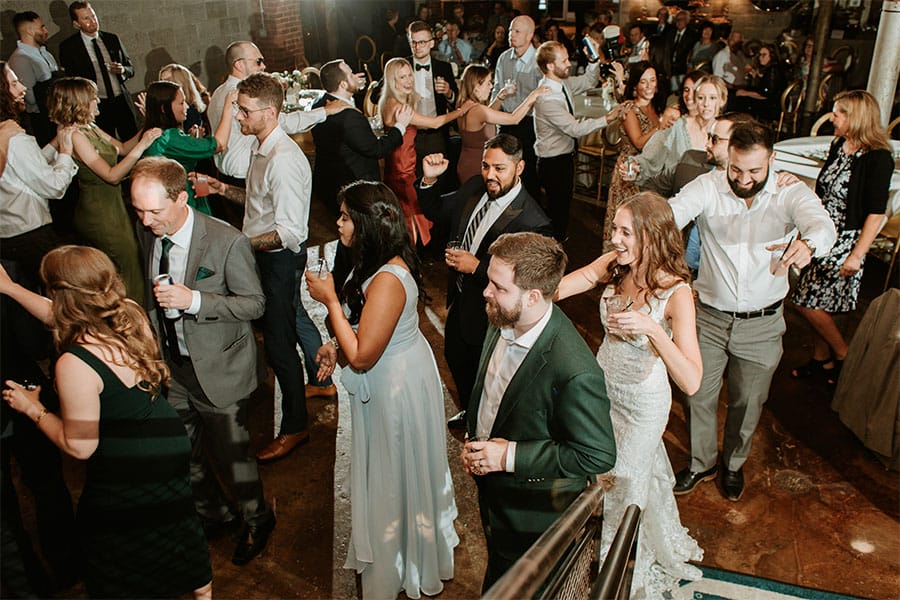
(819,510)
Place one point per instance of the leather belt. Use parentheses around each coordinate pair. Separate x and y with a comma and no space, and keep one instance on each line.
(765,312)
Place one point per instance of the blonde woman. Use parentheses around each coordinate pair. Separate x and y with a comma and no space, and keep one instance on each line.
(400,166)
(853,185)
(480,124)
(139,532)
(100,217)
(195,95)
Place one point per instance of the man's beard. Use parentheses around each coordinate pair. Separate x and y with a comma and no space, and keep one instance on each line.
(502,191)
(747,192)
(500,318)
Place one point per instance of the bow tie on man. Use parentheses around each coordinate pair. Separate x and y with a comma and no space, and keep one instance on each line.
(423,67)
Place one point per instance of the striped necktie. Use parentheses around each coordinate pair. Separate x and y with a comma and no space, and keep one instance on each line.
(470,234)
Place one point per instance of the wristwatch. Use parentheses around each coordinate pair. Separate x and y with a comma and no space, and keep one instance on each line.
(810,245)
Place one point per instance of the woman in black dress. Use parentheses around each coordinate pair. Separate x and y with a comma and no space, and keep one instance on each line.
(762,97)
(138,530)
(853,186)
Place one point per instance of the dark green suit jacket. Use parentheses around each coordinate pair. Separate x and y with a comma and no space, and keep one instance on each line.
(557,411)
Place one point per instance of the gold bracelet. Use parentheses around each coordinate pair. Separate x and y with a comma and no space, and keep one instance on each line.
(41,415)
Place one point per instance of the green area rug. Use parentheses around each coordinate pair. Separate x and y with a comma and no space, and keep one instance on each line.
(726,585)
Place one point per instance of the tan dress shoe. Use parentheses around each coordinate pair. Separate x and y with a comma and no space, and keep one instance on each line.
(326,391)
(282,446)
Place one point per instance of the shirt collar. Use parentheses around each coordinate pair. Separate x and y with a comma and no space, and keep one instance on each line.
(530,337)
(770,189)
(182,237)
(427,62)
(269,143)
(88,38)
(507,198)
(528,57)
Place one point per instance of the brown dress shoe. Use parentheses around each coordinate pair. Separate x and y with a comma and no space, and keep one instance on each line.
(282,446)
(322,391)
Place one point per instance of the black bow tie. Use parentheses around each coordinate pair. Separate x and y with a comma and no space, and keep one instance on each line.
(423,67)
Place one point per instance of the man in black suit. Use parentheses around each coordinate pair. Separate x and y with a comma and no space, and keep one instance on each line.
(475,215)
(679,43)
(210,348)
(99,56)
(346,147)
(436,88)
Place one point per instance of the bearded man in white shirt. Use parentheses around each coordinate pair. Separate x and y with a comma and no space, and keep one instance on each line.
(752,233)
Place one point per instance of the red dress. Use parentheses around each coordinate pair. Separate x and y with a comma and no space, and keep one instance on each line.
(400,176)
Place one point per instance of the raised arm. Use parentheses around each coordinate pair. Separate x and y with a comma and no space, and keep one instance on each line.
(113,175)
(41,308)
(633,129)
(223,130)
(586,278)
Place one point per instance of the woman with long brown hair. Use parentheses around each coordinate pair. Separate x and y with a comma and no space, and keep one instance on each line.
(853,185)
(647,310)
(138,529)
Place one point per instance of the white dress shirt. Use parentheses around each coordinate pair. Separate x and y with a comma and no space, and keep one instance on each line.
(278,189)
(235,160)
(735,267)
(555,128)
(107,58)
(424,84)
(32,65)
(31,177)
(178,257)
(521,69)
(507,357)
(493,213)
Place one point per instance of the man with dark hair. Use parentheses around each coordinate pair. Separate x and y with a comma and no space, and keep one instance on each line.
(679,42)
(751,232)
(484,207)
(346,147)
(556,130)
(539,428)
(101,57)
(35,67)
(210,349)
(276,219)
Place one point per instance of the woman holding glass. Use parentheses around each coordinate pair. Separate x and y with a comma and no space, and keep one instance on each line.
(647,311)
(402,502)
(853,185)
(138,529)
(167,109)
(100,217)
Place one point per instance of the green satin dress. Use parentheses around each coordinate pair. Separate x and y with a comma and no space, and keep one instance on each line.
(188,151)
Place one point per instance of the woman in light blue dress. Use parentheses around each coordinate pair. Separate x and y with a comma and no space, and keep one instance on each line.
(401,493)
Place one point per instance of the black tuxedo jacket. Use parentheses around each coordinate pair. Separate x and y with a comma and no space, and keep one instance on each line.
(74,58)
(439,68)
(348,150)
(453,210)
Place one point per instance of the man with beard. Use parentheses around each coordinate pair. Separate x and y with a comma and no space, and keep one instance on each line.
(539,425)
(752,233)
(556,130)
(478,213)
(35,67)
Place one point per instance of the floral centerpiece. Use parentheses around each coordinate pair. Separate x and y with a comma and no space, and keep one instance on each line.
(293,82)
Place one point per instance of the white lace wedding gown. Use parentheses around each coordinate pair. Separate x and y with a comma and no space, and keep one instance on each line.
(640,397)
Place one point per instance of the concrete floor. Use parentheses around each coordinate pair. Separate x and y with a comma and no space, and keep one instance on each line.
(819,510)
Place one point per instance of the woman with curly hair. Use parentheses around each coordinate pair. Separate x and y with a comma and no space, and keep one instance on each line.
(402,500)
(140,535)
(100,217)
(647,311)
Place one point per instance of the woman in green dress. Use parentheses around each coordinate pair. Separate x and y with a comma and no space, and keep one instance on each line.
(166,107)
(100,216)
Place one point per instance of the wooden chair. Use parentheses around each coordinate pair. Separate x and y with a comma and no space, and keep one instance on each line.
(826,93)
(366,51)
(844,57)
(703,65)
(594,146)
(892,126)
(814,130)
(312,78)
(370,109)
(789,51)
(791,101)
(886,245)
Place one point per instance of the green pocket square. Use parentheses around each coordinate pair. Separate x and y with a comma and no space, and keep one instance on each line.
(203,273)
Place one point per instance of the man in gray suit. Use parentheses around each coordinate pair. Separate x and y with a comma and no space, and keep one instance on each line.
(209,346)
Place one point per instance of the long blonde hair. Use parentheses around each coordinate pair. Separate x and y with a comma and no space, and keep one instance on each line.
(89,302)
(863,119)
(190,84)
(391,70)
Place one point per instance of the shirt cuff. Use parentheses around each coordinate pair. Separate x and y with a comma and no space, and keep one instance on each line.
(402,130)
(194,308)
(510,457)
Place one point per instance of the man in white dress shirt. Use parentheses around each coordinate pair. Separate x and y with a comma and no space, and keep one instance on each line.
(517,66)
(276,218)
(35,66)
(556,130)
(728,63)
(752,233)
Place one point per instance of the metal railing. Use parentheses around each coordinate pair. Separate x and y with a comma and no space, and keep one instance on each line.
(563,562)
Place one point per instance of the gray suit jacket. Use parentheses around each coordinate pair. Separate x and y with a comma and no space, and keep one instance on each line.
(219,338)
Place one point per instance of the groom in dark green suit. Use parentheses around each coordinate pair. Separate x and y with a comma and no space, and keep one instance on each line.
(538,422)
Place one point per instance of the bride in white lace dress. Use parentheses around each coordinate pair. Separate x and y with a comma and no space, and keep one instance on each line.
(654,337)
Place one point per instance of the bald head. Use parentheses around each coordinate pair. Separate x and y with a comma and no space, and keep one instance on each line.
(243,59)
(521,30)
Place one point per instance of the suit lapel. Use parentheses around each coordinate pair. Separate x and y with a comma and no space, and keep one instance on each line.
(521,385)
(506,217)
(468,209)
(199,244)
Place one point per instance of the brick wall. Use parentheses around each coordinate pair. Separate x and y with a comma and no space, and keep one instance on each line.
(194,33)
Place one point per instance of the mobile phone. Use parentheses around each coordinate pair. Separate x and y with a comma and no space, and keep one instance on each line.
(592,53)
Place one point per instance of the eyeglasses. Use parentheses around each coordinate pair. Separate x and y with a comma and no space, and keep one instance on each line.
(420,42)
(716,139)
(246,111)
(259,61)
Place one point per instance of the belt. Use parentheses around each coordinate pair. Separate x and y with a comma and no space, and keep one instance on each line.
(765,312)
(235,181)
